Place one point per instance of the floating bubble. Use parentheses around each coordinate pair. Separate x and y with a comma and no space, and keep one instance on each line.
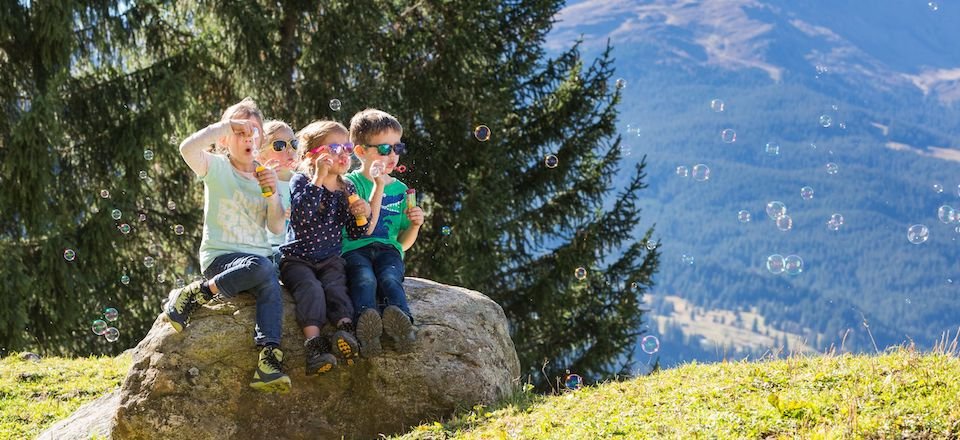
(947,214)
(573,382)
(171,205)
(775,264)
(116,214)
(143,174)
(917,234)
(255,139)
(792,265)
(161,278)
(937,188)
(69,254)
(700,172)
(148,261)
(772,149)
(806,193)
(743,216)
(104,194)
(178,283)
(728,136)
(825,121)
(634,285)
(776,209)
(621,83)
(836,220)
(112,334)
(446,230)
(124,228)
(843,125)
(99,327)
(626,150)
(148,154)
(683,171)
(125,279)
(580,273)
(551,161)
(482,133)
(111,314)
(178,229)
(143,217)
(153,248)
(716,105)
(832,168)
(933,6)
(401,168)
(650,344)
(687,259)
(784,223)
(335,104)
(376,168)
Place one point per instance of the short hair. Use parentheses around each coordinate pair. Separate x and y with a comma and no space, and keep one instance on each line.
(246,108)
(312,136)
(371,122)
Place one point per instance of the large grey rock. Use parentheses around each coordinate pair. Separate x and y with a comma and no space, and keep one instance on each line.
(194,385)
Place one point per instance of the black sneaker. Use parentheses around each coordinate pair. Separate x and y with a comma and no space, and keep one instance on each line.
(369,329)
(348,348)
(182,302)
(269,377)
(319,359)
(398,326)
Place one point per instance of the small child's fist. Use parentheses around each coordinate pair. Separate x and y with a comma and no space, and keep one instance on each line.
(360,208)
(415,215)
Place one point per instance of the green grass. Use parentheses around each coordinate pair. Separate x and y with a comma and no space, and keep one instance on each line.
(902,394)
(35,395)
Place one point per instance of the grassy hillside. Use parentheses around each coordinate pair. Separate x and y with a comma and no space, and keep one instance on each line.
(903,394)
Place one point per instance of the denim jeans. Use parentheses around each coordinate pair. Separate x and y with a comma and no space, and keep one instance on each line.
(238,272)
(375,272)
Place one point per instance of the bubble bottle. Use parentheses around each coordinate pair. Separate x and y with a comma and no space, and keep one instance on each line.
(411,198)
(265,190)
(360,219)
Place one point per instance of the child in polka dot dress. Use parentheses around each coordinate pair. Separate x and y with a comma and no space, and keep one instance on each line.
(310,263)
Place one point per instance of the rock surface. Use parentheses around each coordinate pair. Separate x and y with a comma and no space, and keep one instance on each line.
(194,385)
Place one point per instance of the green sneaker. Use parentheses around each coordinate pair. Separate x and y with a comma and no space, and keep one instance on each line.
(269,377)
(182,302)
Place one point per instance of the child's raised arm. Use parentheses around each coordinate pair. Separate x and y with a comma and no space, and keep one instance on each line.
(194,148)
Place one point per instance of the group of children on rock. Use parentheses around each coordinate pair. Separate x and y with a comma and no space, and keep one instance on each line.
(286,200)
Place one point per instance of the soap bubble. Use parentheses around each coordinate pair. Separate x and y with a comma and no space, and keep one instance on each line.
(142,174)
(825,121)
(116,214)
(111,314)
(148,261)
(832,168)
(401,168)
(683,171)
(933,6)
(376,168)
(937,188)
(651,245)
(650,344)
(687,259)
(836,220)
(947,214)
(700,172)
(125,279)
(784,223)
(143,217)
(807,193)
(772,148)
(580,273)
(728,136)
(148,154)
(178,283)
(446,230)
(621,83)
(573,382)
(124,228)
(551,161)
(104,194)
(335,104)
(161,278)
(178,229)
(482,133)
(171,205)
(917,234)
(792,265)
(112,334)
(99,327)
(716,105)
(69,254)
(775,264)
(743,216)
(775,209)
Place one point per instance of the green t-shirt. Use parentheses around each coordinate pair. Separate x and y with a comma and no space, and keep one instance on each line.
(234,213)
(392,220)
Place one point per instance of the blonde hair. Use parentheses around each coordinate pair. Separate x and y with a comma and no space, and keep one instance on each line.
(271,127)
(312,136)
(244,109)
(371,122)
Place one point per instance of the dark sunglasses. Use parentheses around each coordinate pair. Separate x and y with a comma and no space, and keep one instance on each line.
(279,145)
(334,148)
(384,149)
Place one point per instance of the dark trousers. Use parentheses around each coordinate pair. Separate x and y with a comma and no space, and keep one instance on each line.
(320,289)
(375,272)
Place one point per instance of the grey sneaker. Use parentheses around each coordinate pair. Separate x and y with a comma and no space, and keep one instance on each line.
(398,326)
(369,330)
(348,348)
(319,359)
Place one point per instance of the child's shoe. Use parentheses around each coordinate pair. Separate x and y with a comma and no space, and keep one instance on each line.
(269,377)
(398,326)
(182,302)
(319,359)
(348,348)
(369,329)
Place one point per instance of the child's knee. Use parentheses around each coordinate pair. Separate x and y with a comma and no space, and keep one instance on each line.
(262,268)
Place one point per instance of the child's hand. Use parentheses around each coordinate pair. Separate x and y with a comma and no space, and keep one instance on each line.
(241,127)
(360,208)
(268,178)
(415,215)
(321,165)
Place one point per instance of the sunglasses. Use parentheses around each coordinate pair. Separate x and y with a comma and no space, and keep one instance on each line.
(334,148)
(279,145)
(384,149)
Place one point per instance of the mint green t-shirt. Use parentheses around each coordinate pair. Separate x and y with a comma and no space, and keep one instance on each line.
(392,220)
(283,189)
(234,213)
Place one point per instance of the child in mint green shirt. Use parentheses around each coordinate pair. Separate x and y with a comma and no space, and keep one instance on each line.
(375,262)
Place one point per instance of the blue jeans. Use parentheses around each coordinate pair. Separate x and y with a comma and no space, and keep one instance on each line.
(374,272)
(238,272)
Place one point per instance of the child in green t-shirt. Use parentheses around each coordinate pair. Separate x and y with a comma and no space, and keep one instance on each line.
(375,262)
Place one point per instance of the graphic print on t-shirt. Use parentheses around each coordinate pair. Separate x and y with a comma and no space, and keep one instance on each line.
(241,219)
(390,210)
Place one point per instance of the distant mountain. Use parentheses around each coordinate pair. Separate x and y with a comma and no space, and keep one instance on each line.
(885,75)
